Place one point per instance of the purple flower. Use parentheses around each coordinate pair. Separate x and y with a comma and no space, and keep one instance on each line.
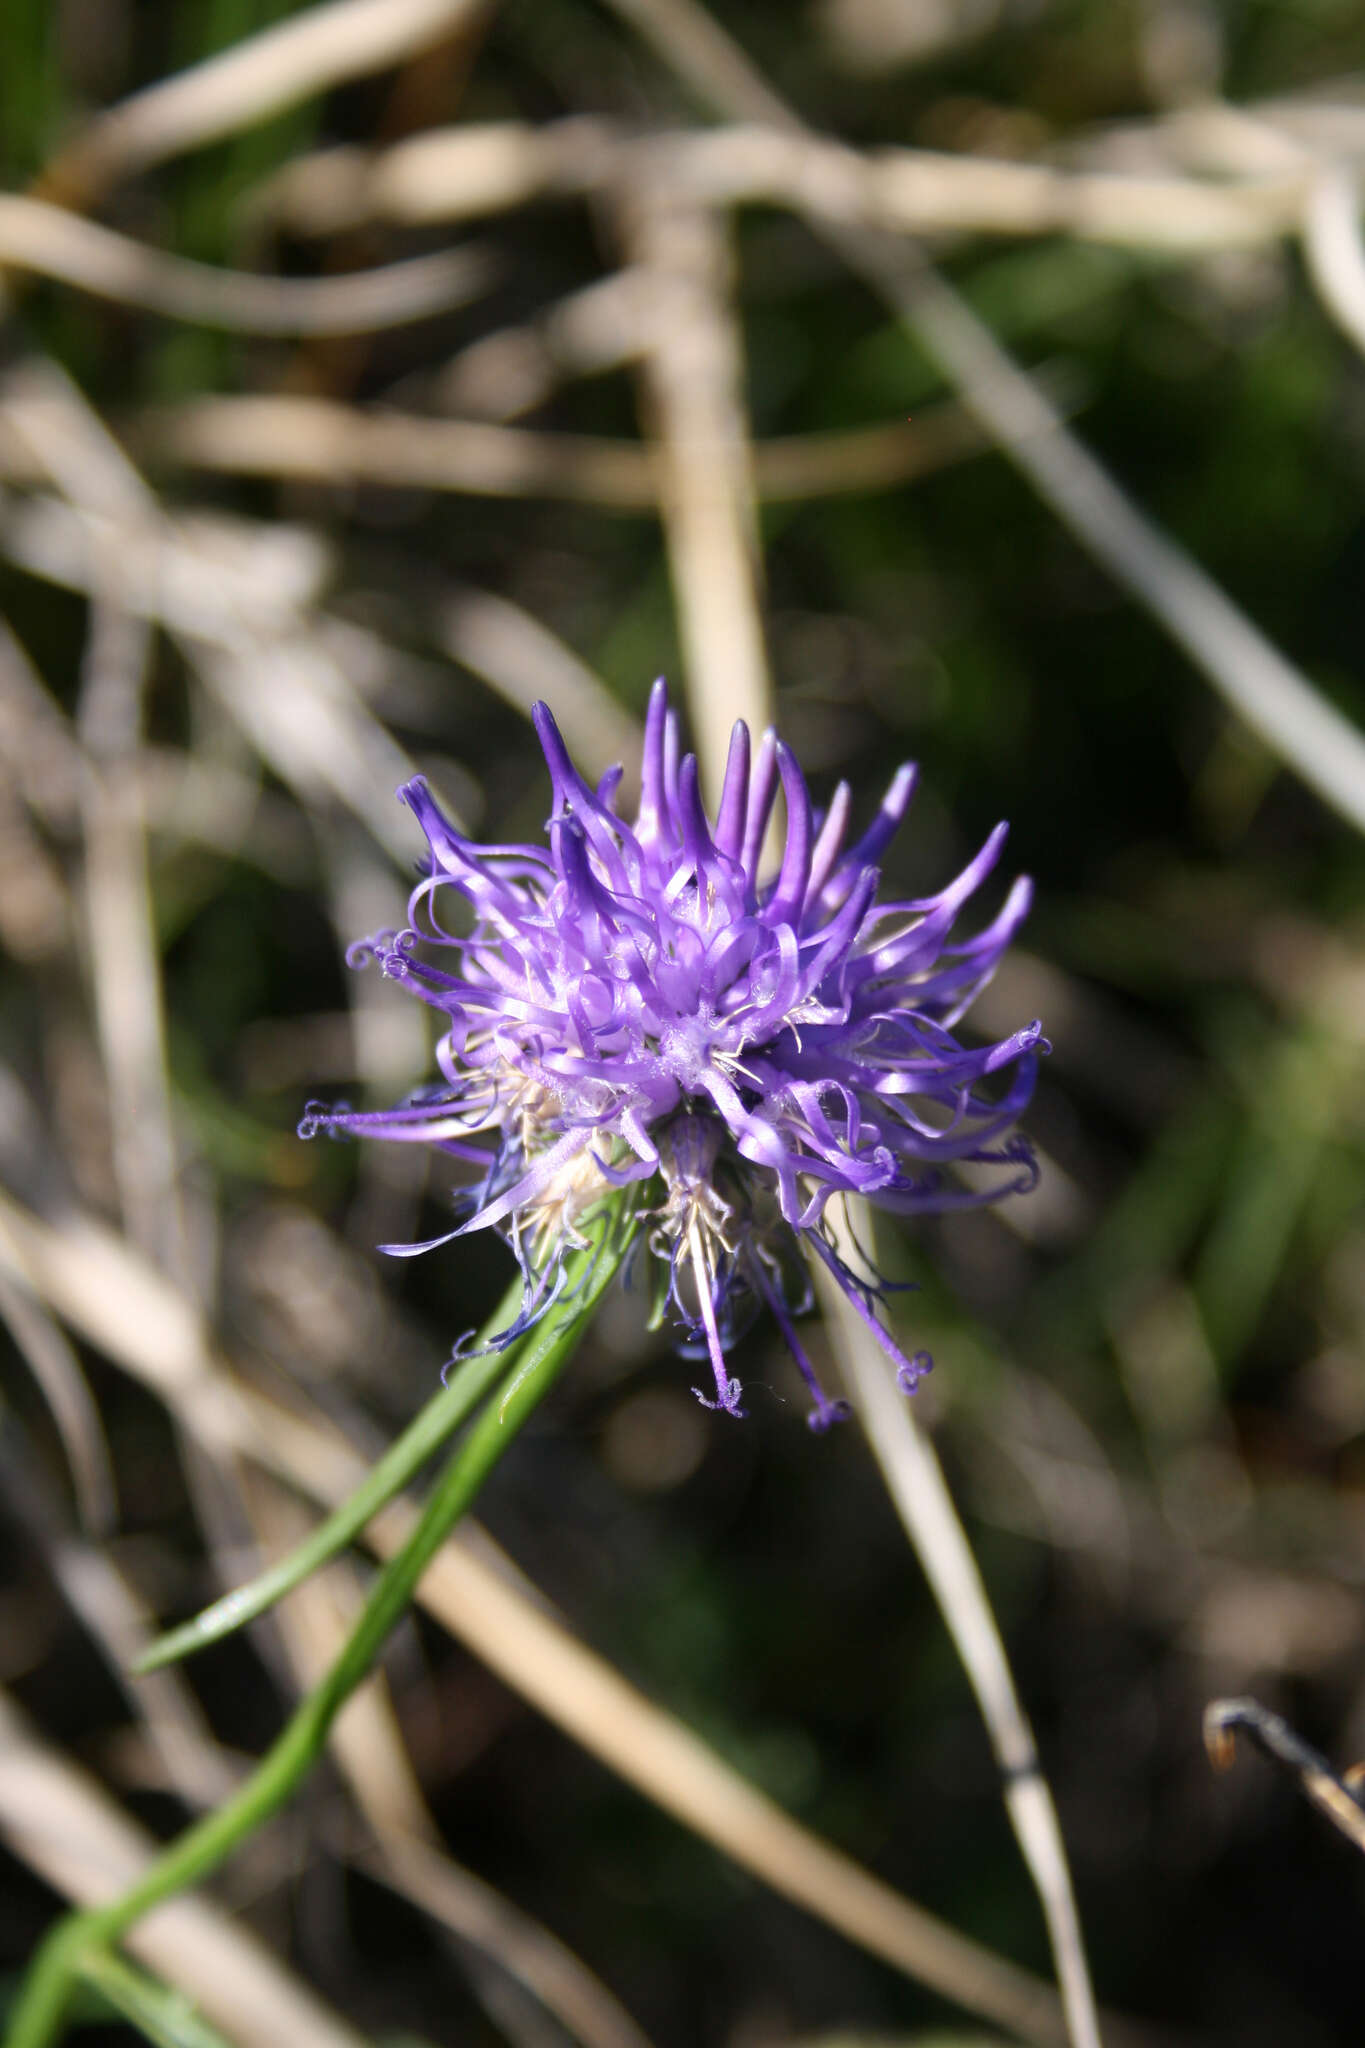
(634,1004)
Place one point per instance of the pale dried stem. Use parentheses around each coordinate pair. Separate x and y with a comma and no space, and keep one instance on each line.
(369,1751)
(1334,251)
(1257,139)
(60,1822)
(118,1622)
(585,333)
(50,242)
(55,1367)
(117,1302)
(121,938)
(308,53)
(522,660)
(37,743)
(319,440)
(528,1952)
(108,497)
(237,599)
(713,64)
(1301,727)
(914,1479)
(691,374)
(1299,724)
(475,171)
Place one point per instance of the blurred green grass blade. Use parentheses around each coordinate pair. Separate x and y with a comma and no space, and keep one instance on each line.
(442,1415)
(1272,1172)
(1150,1228)
(164,2016)
(533,1367)
(1037,293)
(31,88)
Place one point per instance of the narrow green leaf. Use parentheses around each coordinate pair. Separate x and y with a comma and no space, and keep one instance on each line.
(532,1369)
(167,2017)
(442,1415)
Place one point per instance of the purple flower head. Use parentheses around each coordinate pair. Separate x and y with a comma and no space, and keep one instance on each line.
(639,1003)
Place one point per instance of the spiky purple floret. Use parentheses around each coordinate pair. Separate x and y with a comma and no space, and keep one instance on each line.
(636,1004)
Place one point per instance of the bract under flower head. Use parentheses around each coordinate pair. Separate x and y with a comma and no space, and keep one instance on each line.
(639,1003)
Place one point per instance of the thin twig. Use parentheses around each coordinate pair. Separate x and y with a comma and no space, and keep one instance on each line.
(308,53)
(58,1372)
(59,1822)
(601,326)
(118,1622)
(477,170)
(116,1301)
(691,375)
(236,599)
(369,1751)
(326,442)
(120,926)
(50,242)
(914,1479)
(1334,251)
(523,661)
(1302,728)
(927,1510)
(1300,725)
(1340,1798)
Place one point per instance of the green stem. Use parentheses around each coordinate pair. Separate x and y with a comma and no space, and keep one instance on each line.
(38,2015)
(167,2018)
(404,1458)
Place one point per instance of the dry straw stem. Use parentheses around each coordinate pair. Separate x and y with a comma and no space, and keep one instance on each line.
(237,599)
(117,1621)
(1286,141)
(406,1859)
(599,327)
(389,1044)
(120,937)
(1300,726)
(50,242)
(368,1749)
(320,441)
(1340,1798)
(43,1346)
(692,396)
(929,1516)
(117,1302)
(1334,252)
(309,53)
(61,1823)
(523,661)
(914,1479)
(476,170)
(474,1912)
(37,745)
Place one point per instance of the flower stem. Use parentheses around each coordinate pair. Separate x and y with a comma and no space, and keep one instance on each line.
(166,2018)
(38,2015)
(404,1458)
